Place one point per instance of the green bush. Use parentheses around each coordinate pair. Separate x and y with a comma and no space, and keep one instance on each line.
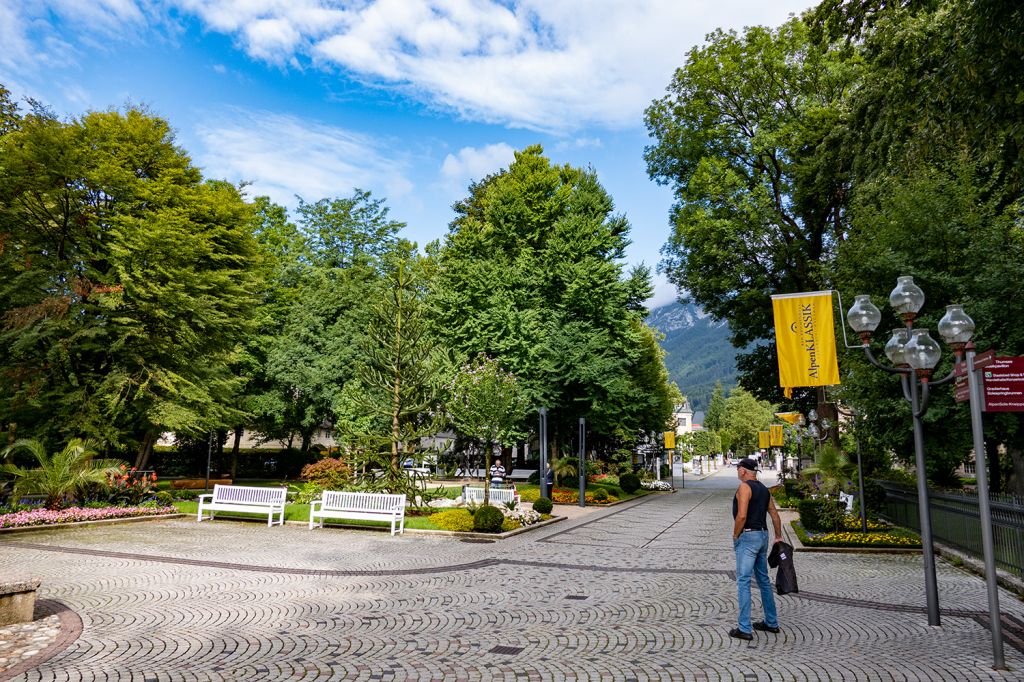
(542,505)
(821,514)
(187,494)
(488,519)
(629,483)
(510,524)
(793,488)
(164,498)
(874,497)
(600,495)
(453,519)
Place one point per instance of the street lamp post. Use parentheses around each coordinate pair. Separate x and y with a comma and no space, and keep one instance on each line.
(912,351)
(582,463)
(914,354)
(544,492)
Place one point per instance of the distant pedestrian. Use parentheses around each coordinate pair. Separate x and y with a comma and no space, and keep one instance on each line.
(549,479)
(497,474)
(750,508)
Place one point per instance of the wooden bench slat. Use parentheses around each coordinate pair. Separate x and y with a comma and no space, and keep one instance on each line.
(245,499)
(340,504)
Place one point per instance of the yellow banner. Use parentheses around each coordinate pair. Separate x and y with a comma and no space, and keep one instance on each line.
(670,440)
(805,339)
(763,439)
(776,435)
(788,417)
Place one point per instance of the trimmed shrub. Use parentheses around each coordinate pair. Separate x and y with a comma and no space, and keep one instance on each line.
(793,488)
(488,519)
(629,483)
(328,473)
(600,495)
(164,498)
(510,524)
(453,519)
(542,505)
(821,514)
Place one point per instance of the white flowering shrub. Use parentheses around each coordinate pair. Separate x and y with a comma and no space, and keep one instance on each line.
(525,517)
(656,485)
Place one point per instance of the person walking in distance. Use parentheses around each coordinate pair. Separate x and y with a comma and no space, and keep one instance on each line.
(751,506)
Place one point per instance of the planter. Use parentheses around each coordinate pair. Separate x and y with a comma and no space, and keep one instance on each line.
(17,601)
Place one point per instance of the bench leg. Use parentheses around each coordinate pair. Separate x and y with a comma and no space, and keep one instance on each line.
(199,515)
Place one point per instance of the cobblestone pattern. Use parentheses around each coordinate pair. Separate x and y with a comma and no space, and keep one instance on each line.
(636,592)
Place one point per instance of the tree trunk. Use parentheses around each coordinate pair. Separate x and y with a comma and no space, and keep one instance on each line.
(145,450)
(396,432)
(234,451)
(487,473)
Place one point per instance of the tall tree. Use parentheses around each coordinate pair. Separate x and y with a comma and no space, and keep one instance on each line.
(746,137)
(125,286)
(531,275)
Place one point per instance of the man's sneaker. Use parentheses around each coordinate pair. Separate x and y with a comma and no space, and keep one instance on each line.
(764,627)
(739,634)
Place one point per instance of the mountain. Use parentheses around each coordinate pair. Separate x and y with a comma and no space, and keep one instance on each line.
(697,350)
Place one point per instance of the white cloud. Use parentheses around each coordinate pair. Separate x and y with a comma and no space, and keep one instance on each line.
(284,156)
(474,163)
(664,293)
(551,65)
(543,64)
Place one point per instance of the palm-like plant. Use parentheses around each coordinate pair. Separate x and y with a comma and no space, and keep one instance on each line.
(61,474)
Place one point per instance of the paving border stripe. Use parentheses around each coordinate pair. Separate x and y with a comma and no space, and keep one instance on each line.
(482,563)
(70,630)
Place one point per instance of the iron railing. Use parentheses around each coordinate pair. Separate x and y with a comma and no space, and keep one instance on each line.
(956,521)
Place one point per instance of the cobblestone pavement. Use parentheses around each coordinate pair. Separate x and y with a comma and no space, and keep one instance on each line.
(640,591)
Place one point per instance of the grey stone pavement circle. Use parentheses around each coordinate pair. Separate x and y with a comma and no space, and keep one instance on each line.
(638,591)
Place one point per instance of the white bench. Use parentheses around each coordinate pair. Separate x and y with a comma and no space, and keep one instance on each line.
(245,499)
(366,506)
(498,495)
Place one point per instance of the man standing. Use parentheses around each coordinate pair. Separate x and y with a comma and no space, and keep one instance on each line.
(497,474)
(750,507)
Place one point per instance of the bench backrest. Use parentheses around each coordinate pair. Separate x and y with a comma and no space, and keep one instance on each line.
(522,474)
(374,502)
(498,495)
(242,494)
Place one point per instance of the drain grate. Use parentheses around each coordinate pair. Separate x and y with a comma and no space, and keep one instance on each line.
(507,650)
(576,596)
(479,541)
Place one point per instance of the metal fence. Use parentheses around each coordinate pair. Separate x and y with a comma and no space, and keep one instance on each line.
(956,521)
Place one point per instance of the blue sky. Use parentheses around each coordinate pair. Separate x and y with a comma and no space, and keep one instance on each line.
(411,99)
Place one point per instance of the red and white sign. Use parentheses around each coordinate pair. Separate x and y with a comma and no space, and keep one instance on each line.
(1004,385)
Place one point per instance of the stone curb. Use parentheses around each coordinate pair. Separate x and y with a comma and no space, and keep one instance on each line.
(794,539)
(443,533)
(94,522)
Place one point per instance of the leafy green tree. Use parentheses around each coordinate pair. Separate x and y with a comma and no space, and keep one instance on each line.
(530,274)
(744,416)
(61,474)
(747,138)
(486,403)
(125,285)
(716,409)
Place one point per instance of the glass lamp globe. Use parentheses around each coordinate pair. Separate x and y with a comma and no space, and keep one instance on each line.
(863,315)
(895,346)
(812,416)
(813,431)
(922,352)
(907,298)
(825,424)
(956,327)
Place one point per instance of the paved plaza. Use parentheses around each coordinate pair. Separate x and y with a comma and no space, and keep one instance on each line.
(639,591)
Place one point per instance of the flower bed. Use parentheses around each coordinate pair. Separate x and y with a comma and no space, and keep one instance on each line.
(563,496)
(878,535)
(655,485)
(46,517)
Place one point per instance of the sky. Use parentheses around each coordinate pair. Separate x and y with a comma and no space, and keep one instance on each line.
(410,99)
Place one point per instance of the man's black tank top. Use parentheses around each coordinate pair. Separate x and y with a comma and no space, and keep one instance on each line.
(757,508)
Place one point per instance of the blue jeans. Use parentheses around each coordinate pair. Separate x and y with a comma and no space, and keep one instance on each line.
(752,559)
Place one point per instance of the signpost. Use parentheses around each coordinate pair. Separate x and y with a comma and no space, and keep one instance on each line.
(1002,387)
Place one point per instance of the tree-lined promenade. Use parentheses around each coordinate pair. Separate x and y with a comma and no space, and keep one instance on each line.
(138,297)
